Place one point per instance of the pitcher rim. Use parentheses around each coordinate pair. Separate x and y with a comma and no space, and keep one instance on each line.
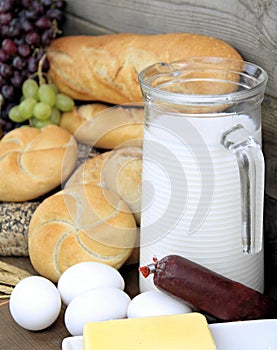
(235,96)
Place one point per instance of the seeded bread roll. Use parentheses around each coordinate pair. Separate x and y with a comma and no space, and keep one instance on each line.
(34,162)
(106,127)
(118,170)
(80,223)
(106,67)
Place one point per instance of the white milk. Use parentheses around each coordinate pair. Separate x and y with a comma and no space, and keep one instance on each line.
(191,197)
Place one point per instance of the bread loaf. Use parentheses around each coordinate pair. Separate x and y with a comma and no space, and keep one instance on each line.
(34,162)
(101,126)
(106,67)
(118,170)
(80,223)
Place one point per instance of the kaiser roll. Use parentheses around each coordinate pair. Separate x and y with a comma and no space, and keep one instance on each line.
(80,223)
(35,161)
(118,170)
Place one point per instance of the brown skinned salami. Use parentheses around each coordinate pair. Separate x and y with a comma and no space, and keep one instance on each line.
(208,291)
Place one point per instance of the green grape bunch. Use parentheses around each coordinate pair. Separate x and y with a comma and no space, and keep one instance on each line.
(41,104)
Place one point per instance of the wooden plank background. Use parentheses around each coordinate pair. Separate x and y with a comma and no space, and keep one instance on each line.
(248,25)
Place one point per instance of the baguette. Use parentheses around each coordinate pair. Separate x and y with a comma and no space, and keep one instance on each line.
(34,162)
(101,126)
(106,67)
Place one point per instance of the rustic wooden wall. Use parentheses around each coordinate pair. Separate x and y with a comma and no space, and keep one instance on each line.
(248,25)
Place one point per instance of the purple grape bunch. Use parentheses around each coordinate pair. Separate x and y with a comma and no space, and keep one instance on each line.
(27,27)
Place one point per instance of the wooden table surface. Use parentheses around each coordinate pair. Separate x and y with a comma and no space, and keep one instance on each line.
(13,337)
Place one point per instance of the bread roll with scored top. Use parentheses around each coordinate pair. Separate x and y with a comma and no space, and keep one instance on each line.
(103,126)
(118,170)
(35,161)
(106,67)
(80,223)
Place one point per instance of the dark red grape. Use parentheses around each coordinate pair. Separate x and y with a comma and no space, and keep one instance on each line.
(60,4)
(5,18)
(27,26)
(9,46)
(2,81)
(3,56)
(6,5)
(43,23)
(32,64)
(31,14)
(37,7)
(26,3)
(17,79)
(46,3)
(7,91)
(47,37)
(24,50)
(55,14)
(5,31)
(32,38)
(14,30)
(6,70)
(19,62)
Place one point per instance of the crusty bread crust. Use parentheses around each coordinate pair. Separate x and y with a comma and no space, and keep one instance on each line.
(106,127)
(118,170)
(34,162)
(106,67)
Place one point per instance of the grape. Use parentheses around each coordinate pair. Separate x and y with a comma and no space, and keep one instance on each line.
(17,79)
(6,5)
(32,38)
(43,22)
(64,103)
(55,116)
(7,91)
(14,115)
(5,18)
(30,89)
(6,70)
(42,111)
(19,62)
(9,47)
(40,123)
(54,88)
(24,50)
(46,94)
(2,82)
(32,64)
(27,27)
(26,108)
(3,56)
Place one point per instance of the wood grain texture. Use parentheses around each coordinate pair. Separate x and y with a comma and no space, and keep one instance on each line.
(248,25)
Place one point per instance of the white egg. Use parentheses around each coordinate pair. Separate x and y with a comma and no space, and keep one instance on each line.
(155,303)
(35,303)
(97,304)
(85,276)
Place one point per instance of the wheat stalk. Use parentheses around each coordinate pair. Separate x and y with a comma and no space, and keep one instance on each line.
(10,275)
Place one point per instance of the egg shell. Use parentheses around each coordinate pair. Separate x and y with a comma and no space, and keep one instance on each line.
(99,304)
(84,276)
(35,303)
(155,303)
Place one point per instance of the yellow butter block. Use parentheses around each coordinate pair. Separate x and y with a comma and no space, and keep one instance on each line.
(186,331)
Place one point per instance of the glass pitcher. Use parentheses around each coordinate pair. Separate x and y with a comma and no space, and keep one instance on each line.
(203,168)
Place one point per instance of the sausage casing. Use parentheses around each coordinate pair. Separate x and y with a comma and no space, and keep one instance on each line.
(208,291)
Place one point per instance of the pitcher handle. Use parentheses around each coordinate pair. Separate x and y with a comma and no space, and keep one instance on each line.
(251,170)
